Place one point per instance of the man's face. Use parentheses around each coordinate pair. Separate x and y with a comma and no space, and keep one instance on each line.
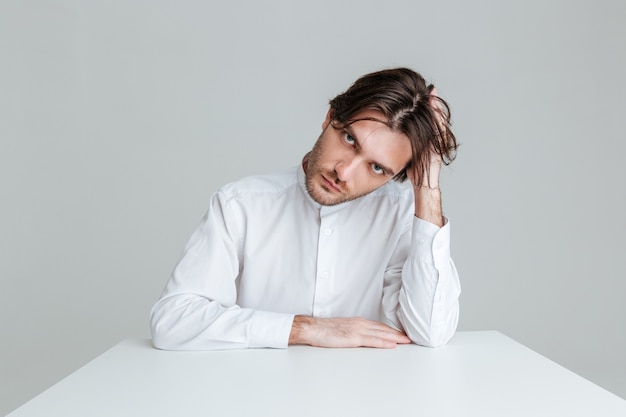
(348,163)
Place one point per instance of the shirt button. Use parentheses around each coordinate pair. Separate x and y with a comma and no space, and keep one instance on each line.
(422,241)
(323,313)
(325,275)
(328,232)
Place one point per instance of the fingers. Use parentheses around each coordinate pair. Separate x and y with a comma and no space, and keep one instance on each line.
(383,342)
(440,115)
(442,118)
(367,333)
(376,332)
(436,105)
(426,172)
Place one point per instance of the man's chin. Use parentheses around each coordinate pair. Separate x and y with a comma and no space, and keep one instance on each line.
(325,201)
(324,198)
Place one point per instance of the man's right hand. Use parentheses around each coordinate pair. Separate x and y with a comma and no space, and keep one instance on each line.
(344,332)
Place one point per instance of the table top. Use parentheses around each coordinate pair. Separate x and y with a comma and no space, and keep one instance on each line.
(476,374)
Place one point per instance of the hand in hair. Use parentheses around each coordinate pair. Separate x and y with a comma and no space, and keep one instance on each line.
(428,195)
(431,178)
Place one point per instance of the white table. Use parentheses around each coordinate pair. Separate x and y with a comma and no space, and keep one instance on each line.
(476,374)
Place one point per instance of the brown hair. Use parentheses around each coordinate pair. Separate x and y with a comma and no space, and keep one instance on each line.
(405,100)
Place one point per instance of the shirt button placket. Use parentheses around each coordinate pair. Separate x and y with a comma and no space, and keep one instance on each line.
(323,284)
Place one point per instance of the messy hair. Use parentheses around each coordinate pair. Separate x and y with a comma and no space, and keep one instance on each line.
(408,106)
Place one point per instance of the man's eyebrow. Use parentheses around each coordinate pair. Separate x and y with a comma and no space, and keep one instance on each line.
(385,168)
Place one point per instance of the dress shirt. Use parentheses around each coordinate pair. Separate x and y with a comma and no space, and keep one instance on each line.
(266,251)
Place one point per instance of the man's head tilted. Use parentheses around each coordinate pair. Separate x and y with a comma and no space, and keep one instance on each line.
(389,124)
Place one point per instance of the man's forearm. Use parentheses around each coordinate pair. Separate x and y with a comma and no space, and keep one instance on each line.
(427,307)
(298,330)
(428,205)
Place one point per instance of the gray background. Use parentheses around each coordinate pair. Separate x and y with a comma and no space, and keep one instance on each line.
(118,119)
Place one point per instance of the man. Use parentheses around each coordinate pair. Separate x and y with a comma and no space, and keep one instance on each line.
(337,252)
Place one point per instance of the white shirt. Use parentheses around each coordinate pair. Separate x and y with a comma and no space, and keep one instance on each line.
(266,251)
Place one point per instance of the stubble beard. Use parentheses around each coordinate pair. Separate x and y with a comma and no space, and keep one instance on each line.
(313,176)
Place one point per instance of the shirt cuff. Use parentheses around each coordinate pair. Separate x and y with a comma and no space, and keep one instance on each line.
(430,241)
(270,329)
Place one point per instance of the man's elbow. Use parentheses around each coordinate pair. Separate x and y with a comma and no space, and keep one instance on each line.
(161,339)
(429,334)
(432,340)
(163,328)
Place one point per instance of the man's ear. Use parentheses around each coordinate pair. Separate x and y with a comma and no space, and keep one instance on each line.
(328,119)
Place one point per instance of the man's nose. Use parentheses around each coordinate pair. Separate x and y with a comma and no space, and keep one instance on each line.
(347,168)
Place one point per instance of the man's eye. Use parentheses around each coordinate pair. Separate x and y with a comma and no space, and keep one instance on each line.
(349,139)
(377,169)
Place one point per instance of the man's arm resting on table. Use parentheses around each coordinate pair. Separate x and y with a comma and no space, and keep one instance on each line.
(344,332)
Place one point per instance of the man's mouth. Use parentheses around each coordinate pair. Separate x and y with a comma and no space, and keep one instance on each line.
(331,185)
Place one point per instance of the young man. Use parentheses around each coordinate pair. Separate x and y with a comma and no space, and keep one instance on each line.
(337,252)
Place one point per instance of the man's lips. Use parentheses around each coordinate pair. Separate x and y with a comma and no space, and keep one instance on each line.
(331,185)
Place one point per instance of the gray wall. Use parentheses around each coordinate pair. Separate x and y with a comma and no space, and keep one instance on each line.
(118,119)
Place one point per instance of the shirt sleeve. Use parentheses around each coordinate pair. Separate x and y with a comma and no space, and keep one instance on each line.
(425,301)
(198,310)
